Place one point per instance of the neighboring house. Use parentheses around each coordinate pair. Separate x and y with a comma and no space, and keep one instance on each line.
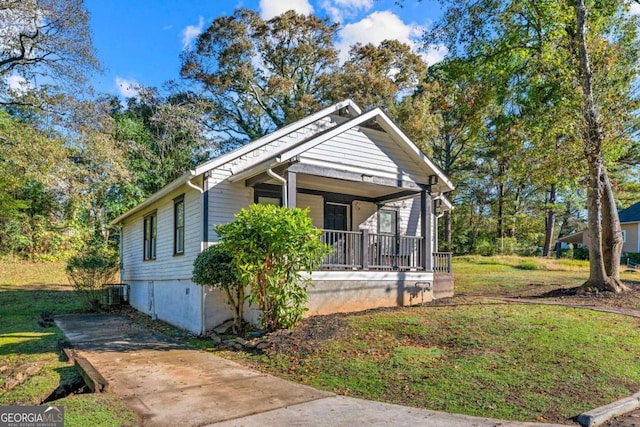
(630,224)
(376,196)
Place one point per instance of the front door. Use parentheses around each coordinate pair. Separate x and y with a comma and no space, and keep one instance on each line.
(335,217)
(335,224)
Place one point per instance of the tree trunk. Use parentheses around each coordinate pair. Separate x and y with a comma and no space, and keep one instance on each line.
(500,225)
(597,273)
(447,230)
(549,222)
(597,192)
(611,236)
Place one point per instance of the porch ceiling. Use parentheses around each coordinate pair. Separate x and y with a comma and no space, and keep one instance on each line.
(333,185)
(365,189)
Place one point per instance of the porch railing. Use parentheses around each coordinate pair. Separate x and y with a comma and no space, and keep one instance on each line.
(361,250)
(442,262)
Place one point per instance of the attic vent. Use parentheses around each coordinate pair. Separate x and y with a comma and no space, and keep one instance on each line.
(344,112)
(372,124)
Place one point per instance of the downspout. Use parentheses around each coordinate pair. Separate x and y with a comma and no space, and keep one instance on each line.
(203,294)
(272,174)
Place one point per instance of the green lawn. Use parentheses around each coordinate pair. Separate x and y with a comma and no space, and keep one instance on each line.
(31,366)
(473,356)
(511,276)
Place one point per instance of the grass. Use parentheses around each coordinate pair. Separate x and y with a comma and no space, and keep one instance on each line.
(511,361)
(493,359)
(510,276)
(517,362)
(31,366)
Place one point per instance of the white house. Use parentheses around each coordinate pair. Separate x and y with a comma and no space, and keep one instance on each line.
(376,196)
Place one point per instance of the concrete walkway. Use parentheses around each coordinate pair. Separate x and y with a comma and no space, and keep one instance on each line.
(169,384)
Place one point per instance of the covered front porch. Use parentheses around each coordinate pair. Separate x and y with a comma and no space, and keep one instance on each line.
(377,200)
(383,234)
(363,250)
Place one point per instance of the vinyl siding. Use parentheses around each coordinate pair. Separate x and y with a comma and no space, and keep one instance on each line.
(166,266)
(225,199)
(631,243)
(315,205)
(365,216)
(370,152)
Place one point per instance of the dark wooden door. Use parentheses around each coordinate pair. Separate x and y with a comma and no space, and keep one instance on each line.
(335,217)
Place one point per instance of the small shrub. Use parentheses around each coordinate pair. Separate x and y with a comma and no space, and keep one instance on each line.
(89,271)
(271,246)
(528,264)
(581,253)
(214,267)
(485,248)
(633,257)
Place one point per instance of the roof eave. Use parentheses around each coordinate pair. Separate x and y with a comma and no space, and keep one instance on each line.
(178,182)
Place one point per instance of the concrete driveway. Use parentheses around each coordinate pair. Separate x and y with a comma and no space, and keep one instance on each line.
(169,384)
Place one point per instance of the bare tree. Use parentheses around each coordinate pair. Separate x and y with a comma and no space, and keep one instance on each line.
(49,39)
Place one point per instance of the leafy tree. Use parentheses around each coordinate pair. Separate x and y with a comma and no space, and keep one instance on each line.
(261,75)
(48,38)
(378,76)
(215,267)
(272,247)
(530,52)
(31,198)
(605,234)
(162,138)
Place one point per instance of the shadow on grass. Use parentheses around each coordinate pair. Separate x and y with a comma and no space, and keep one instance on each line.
(30,350)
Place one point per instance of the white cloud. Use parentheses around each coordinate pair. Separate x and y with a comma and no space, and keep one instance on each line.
(127,88)
(338,10)
(191,32)
(635,9)
(374,29)
(434,54)
(385,25)
(17,83)
(272,8)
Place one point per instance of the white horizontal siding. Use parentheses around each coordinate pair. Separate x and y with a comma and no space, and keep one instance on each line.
(364,216)
(166,266)
(315,205)
(225,200)
(372,153)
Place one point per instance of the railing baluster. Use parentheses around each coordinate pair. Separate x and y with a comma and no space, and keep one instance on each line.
(371,251)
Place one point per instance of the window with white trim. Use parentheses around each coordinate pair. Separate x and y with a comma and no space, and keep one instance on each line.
(150,236)
(178,226)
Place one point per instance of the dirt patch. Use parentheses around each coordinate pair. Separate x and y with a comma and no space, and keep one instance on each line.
(13,375)
(308,335)
(574,296)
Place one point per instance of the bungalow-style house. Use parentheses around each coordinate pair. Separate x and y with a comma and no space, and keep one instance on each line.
(374,194)
(630,225)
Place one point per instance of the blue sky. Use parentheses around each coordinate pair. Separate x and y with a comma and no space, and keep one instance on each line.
(139,42)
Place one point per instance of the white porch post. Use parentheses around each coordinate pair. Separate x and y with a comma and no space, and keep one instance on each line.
(291,189)
(425,229)
(435,233)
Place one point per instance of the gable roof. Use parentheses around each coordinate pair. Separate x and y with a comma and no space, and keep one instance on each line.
(283,154)
(631,214)
(275,155)
(348,105)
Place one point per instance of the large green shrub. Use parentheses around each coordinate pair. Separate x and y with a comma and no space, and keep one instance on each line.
(581,253)
(271,246)
(89,271)
(215,267)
